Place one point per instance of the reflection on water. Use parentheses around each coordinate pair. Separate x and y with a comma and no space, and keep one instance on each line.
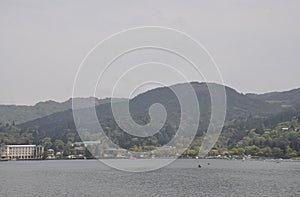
(182,178)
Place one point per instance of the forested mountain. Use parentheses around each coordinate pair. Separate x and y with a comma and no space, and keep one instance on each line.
(245,113)
(253,103)
(239,105)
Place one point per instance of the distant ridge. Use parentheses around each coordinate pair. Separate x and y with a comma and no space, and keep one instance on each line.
(285,98)
(22,113)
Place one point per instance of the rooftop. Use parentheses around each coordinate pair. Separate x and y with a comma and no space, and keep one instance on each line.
(20,145)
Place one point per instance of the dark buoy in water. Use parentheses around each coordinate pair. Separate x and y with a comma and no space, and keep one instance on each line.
(208,164)
(199,166)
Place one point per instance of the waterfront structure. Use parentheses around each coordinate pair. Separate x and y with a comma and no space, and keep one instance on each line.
(50,154)
(22,152)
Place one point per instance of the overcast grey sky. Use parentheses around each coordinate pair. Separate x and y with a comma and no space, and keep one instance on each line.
(256,44)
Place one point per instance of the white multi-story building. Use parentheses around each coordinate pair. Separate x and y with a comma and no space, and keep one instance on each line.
(23,151)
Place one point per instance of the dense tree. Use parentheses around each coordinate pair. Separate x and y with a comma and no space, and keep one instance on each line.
(237,151)
(58,145)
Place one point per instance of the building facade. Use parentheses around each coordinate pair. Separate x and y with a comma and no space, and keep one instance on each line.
(22,152)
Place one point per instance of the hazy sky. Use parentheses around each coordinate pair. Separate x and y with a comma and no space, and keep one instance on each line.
(256,44)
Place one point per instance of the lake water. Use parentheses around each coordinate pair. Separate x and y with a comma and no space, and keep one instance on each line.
(182,178)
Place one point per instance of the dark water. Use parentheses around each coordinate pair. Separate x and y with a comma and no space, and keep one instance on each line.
(182,178)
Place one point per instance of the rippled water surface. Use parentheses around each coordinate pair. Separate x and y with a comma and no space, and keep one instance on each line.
(182,178)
